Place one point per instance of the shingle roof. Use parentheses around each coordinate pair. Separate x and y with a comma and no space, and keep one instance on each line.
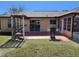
(4,15)
(43,14)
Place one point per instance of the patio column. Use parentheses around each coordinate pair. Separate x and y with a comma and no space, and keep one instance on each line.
(16,21)
(23,26)
(12,25)
(66,23)
(62,28)
(71,23)
(19,22)
(57,25)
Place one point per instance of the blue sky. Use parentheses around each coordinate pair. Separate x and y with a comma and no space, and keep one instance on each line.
(39,6)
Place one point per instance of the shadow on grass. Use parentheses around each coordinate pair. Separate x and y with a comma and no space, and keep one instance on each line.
(12,44)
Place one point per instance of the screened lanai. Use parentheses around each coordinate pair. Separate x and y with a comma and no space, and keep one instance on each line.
(76,27)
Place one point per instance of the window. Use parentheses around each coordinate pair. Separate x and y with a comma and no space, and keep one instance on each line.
(52,21)
(9,23)
(34,25)
(69,24)
(60,24)
(65,23)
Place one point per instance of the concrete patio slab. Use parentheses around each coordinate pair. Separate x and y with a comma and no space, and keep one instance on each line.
(62,38)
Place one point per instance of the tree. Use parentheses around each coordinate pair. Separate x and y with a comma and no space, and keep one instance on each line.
(14,10)
(5,13)
(65,10)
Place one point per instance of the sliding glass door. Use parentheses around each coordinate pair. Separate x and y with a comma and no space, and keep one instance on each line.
(34,25)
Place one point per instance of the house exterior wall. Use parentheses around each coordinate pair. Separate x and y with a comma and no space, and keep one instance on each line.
(44,24)
(4,24)
(26,24)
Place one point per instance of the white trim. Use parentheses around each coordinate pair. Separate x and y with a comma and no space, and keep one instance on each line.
(23,26)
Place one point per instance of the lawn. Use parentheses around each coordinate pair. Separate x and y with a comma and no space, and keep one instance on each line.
(3,39)
(41,48)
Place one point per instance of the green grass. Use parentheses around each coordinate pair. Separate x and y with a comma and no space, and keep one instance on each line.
(42,48)
(3,39)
